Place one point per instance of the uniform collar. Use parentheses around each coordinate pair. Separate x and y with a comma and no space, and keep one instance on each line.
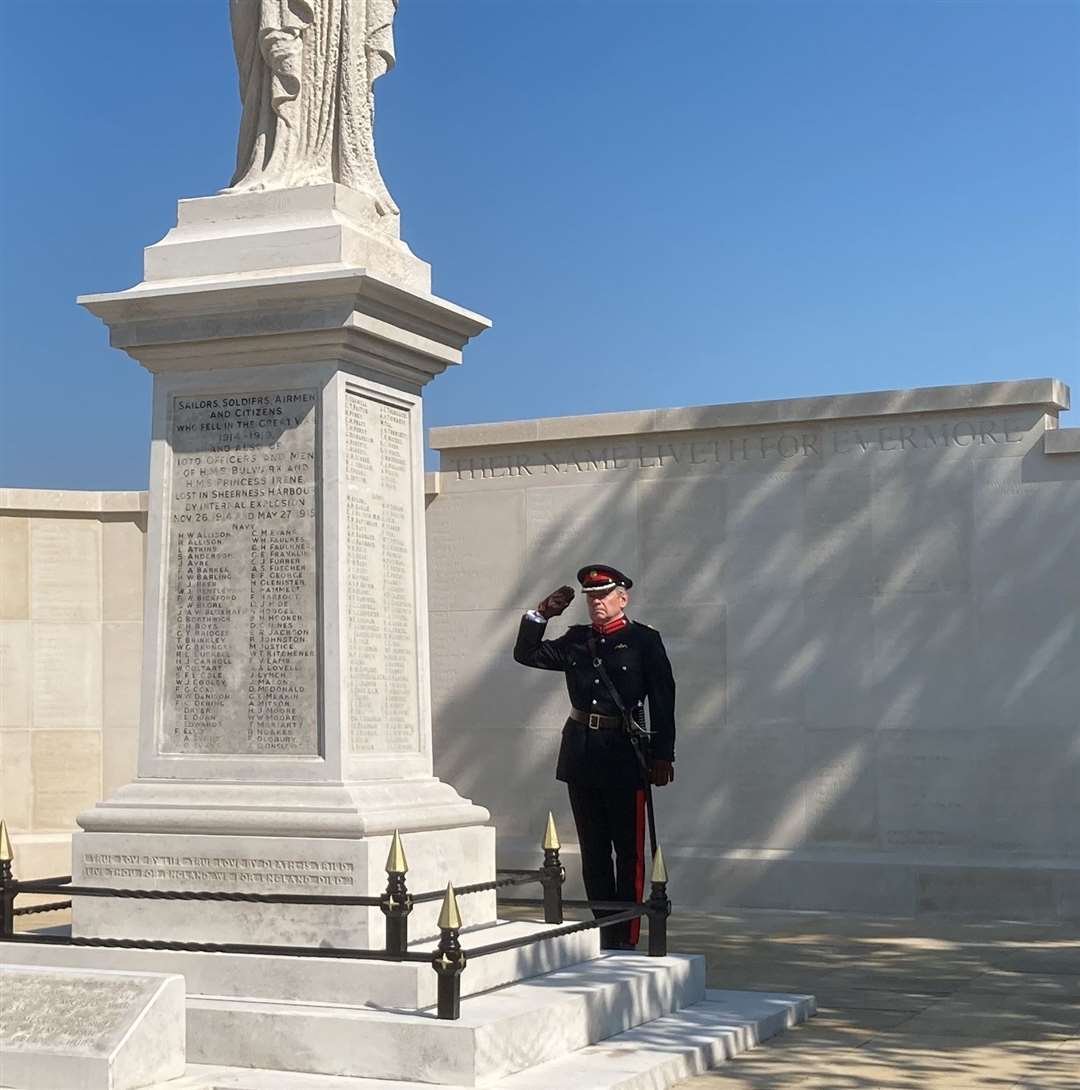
(611,626)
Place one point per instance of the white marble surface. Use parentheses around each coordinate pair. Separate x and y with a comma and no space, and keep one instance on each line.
(499,1033)
(257,298)
(324,226)
(651,1057)
(68,1029)
(307,87)
(272,864)
(401,986)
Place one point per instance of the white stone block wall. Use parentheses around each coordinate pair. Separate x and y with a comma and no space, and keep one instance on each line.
(71,570)
(876,638)
(872,604)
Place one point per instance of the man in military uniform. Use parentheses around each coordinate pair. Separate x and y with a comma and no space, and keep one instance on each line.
(597,760)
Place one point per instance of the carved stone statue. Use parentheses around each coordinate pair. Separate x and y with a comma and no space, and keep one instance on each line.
(307,70)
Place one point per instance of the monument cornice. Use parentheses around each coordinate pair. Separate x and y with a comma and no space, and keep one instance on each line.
(301,317)
(1050,393)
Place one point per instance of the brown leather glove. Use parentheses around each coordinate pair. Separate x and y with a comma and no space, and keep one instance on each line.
(661,773)
(555,602)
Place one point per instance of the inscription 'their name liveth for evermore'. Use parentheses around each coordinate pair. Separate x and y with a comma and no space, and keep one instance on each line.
(241,627)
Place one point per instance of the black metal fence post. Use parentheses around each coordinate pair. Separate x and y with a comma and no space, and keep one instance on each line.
(449,959)
(9,886)
(659,907)
(552,874)
(396,903)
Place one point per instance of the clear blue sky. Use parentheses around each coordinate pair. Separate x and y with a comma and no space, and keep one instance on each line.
(659,203)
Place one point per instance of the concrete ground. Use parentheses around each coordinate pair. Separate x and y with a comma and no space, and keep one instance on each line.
(915,1004)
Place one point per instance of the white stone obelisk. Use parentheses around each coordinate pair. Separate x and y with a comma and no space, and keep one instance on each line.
(285,725)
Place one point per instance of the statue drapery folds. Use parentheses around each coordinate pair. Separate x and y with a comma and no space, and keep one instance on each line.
(307,70)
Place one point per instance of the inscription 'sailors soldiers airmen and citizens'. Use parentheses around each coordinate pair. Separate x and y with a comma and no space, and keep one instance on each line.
(609,759)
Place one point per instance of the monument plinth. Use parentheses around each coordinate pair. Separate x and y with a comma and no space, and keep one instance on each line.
(285,723)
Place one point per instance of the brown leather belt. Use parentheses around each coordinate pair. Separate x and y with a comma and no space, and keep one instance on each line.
(595,721)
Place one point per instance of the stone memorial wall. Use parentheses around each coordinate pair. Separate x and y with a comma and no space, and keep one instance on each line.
(870,603)
(71,602)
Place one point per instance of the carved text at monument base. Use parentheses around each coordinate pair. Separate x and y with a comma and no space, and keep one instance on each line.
(220,868)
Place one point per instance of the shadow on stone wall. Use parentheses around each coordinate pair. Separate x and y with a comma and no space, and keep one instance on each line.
(877,669)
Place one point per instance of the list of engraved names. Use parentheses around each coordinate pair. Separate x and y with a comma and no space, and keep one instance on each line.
(241,661)
(383,715)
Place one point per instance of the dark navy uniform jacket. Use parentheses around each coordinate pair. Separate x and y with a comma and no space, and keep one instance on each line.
(635,660)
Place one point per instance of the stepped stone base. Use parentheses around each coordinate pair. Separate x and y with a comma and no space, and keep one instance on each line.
(557,1013)
(649,1057)
(499,1033)
(398,986)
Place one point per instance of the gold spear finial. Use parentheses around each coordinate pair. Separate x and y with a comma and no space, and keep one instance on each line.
(659,871)
(551,835)
(6,852)
(395,861)
(450,917)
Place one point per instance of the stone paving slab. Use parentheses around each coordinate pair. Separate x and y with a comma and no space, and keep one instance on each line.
(875,999)
(1008,982)
(648,1057)
(1056,958)
(902,1004)
(1012,1018)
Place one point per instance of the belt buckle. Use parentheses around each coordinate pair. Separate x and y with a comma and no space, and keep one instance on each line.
(594,720)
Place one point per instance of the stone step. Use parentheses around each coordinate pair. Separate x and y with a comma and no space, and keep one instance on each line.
(670,1049)
(499,1033)
(649,1057)
(397,985)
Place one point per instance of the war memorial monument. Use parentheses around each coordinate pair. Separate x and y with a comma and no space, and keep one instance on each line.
(285,716)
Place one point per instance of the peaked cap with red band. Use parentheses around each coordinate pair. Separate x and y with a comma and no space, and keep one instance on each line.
(600,578)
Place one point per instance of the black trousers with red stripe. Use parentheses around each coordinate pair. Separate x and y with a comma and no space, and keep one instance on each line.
(607,818)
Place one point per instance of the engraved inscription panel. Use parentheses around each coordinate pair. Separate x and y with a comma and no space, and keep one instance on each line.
(383,705)
(241,626)
(68,1012)
(810,445)
(216,869)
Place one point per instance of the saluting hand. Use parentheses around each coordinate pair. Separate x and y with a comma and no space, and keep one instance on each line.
(555,602)
(661,773)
